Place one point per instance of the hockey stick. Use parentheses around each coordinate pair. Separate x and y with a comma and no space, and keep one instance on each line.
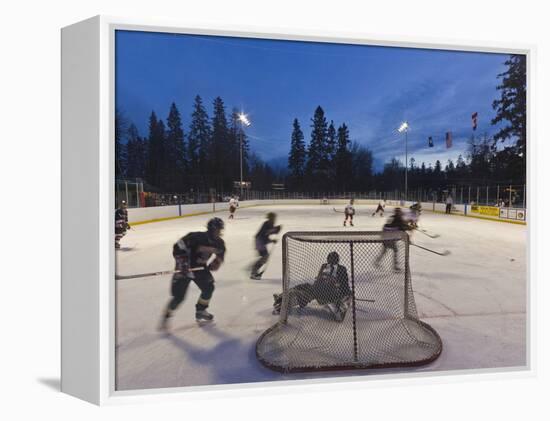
(146,275)
(334,209)
(445,253)
(365,299)
(427,234)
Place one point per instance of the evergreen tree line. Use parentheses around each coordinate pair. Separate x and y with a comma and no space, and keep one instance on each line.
(483,165)
(207,155)
(330,162)
(170,159)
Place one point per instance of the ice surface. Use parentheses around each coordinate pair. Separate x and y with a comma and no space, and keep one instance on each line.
(475,298)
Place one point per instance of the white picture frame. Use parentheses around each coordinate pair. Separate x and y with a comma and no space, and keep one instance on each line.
(88,258)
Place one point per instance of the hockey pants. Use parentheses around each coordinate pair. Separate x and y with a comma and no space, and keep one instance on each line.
(180,283)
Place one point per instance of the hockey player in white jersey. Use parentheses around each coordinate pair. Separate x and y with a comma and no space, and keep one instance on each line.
(414,214)
(349,211)
(233,205)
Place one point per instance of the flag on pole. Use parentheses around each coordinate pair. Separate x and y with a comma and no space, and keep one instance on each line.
(430,142)
(449,139)
(474,121)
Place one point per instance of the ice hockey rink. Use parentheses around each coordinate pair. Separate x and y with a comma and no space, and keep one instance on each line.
(475,297)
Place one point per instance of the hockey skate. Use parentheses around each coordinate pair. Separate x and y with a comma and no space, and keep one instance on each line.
(164,325)
(256,276)
(336,311)
(203,316)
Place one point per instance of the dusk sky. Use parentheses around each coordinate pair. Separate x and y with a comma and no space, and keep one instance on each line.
(371,89)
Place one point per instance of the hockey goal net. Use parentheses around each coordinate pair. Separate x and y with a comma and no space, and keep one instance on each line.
(325,324)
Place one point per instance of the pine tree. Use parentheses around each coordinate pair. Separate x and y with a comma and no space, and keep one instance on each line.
(136,154)
(461,168)
(361,165)
(297,156)
(328,162)
(220,149)
(343,160)
(316,154)
(198,145)
(450,170)
(512,105)
(157,153)
(121,158)
(176,157)
(512,108)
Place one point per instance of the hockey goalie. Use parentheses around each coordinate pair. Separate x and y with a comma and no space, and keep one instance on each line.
(330,289)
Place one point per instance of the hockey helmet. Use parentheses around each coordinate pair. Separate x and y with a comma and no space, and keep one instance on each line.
(333,258)
(215,224)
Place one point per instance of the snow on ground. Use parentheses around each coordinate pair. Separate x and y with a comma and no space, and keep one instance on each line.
(475,298)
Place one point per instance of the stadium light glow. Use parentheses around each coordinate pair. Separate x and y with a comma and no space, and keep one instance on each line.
(405,128)
(244,119)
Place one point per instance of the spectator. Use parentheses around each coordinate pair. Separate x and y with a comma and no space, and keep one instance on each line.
(449,204)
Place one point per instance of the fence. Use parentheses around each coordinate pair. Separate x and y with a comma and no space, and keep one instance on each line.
(489,195)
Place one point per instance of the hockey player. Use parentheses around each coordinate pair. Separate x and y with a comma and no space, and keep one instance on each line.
(349,211)
(192,254)
(121,223)
(414,214)
(262,240)
(380,208)
(233,205)
(396,222)
(330,289)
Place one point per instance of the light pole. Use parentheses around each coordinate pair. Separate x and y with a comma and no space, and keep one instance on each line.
(245,122)
(405,128)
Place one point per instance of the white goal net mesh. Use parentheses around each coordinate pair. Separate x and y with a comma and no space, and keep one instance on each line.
(347,303)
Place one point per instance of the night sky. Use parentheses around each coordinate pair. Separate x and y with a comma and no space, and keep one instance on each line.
(371,89)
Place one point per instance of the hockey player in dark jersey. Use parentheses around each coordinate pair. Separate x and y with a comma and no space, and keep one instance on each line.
(192,254)
(396,222)
(121,223)
(380,208)
(330,289)
(262,239)
(349,211)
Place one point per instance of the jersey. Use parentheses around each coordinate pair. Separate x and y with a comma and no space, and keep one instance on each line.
(332,283)
(349,210)
(267,229)
(121,221)
(197,248)
(233,203)
(121,215)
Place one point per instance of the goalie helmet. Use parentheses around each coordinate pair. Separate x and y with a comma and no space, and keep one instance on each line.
(333,258)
